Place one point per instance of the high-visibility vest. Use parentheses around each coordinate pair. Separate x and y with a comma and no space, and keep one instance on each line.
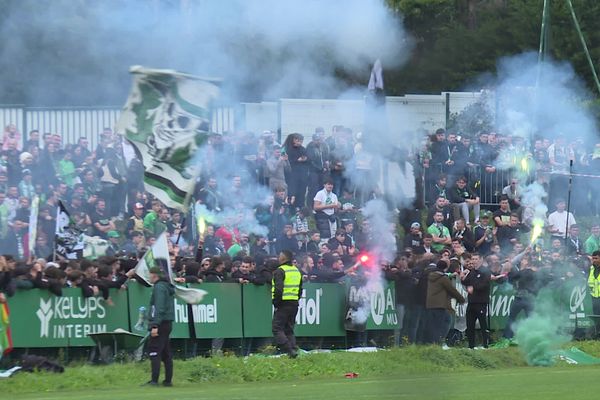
(138,224)
(291,283)
(594,283)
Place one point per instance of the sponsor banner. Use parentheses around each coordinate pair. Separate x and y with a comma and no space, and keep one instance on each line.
(320,310)
(230,310)
(373,305)
(218,314)
(501,299)
(257,310)
(41,319)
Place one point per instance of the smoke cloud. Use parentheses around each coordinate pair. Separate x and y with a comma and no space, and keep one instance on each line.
(541,335)
(543,99)
(79,52)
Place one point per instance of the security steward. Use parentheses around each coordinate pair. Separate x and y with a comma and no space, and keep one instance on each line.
(594,285)
(161,316)
(286,291)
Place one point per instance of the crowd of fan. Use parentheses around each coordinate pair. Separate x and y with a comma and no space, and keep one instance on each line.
(314,210)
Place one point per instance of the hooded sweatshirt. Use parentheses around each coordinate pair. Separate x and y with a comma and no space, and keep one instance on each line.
(440,290)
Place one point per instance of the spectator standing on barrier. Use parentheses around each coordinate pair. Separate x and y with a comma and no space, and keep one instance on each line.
(161,317)
(286,291)
(477,281)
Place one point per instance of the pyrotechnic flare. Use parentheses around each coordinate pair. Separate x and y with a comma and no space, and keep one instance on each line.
(525,164)
(201,227)
(538,227)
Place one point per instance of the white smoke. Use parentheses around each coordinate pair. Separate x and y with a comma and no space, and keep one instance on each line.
(542,99)
(81,51)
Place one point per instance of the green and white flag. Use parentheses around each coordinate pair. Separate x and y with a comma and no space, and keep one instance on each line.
(160,250)
(166,119)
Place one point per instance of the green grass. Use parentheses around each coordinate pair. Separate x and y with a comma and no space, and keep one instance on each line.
(412,372)
(516,383)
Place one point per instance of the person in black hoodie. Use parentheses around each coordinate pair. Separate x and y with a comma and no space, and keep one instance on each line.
(477,281)
(216,272)
(415,321)
(403,282)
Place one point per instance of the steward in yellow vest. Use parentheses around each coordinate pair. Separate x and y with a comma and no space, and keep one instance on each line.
(286,290)
(594,287)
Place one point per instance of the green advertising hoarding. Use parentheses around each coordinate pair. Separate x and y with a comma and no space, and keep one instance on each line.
(230,310)
(257,310)
(320,310)
(218,315)
(41,319)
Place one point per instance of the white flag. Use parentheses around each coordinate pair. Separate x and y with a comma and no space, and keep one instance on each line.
(160,250)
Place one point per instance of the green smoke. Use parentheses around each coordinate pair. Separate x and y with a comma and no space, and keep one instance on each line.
(541,335)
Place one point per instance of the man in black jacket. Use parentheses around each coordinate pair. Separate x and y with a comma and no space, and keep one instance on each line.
(477,281)
(286,291)
(402,277)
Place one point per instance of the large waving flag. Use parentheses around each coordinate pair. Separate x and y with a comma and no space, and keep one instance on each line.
(166,118)
(160,250)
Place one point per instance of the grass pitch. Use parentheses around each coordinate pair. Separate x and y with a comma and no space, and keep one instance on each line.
(413,372)
(568,382)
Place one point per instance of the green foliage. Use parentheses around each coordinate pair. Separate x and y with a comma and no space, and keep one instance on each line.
(475,118)
(458,41)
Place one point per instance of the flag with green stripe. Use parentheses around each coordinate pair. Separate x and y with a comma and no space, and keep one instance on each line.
(166,119)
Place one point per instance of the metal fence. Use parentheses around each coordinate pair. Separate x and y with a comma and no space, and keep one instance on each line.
(74,122)
(488,186)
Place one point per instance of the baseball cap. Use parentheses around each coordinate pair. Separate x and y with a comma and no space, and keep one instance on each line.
(113,234)
(138,205)
(415,225)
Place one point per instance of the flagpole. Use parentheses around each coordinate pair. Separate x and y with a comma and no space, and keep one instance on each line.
(180,230)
